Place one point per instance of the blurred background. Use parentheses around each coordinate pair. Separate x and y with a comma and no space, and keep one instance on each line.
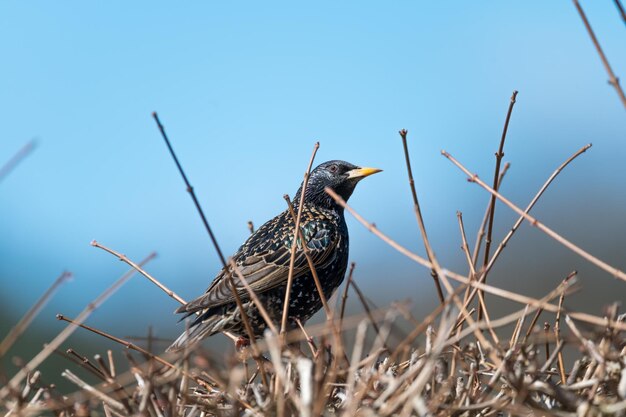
(244,91)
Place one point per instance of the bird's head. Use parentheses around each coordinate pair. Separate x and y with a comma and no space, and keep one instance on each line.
(341,176)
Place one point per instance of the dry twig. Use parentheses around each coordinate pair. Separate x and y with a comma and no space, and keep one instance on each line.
(613,80)
(534,222)
(61,337)
(418,215)
(190,190)
(25,321)
(294,244)
(496,177)
(16,159)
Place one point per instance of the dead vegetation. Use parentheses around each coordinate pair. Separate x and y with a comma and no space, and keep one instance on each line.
(460,360)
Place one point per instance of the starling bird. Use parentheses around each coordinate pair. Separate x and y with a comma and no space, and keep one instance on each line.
(263,261)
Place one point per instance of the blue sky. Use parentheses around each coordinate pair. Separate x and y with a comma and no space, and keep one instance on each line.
(245,90)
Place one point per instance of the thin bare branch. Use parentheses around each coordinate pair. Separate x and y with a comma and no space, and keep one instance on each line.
(130,345)
(534,222)
(613,80)
(190,191)
(251,336)
(620,9)
(344,297)
(464,245)
(496,176)
(25,321)
(483,224)
(307,254)
(533,322)
(519,221)
(16,159)
(138,268)
(88,388)
(294,244)
(588,318)
(367,309)
(418,215)
(61,337)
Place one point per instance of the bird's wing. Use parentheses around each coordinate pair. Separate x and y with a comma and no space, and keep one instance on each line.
(263,260)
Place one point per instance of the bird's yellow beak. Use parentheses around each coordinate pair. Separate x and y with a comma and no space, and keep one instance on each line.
(362,172)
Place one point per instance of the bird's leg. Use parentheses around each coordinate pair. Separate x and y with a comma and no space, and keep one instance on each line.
(241,343)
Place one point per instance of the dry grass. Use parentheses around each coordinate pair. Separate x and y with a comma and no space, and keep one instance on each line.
(460,360)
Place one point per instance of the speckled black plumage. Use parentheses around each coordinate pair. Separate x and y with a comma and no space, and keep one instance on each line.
(264,262)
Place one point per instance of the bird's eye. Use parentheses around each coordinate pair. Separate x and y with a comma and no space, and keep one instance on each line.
(333,168)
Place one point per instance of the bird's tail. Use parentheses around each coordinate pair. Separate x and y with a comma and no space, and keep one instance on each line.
(194,334)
